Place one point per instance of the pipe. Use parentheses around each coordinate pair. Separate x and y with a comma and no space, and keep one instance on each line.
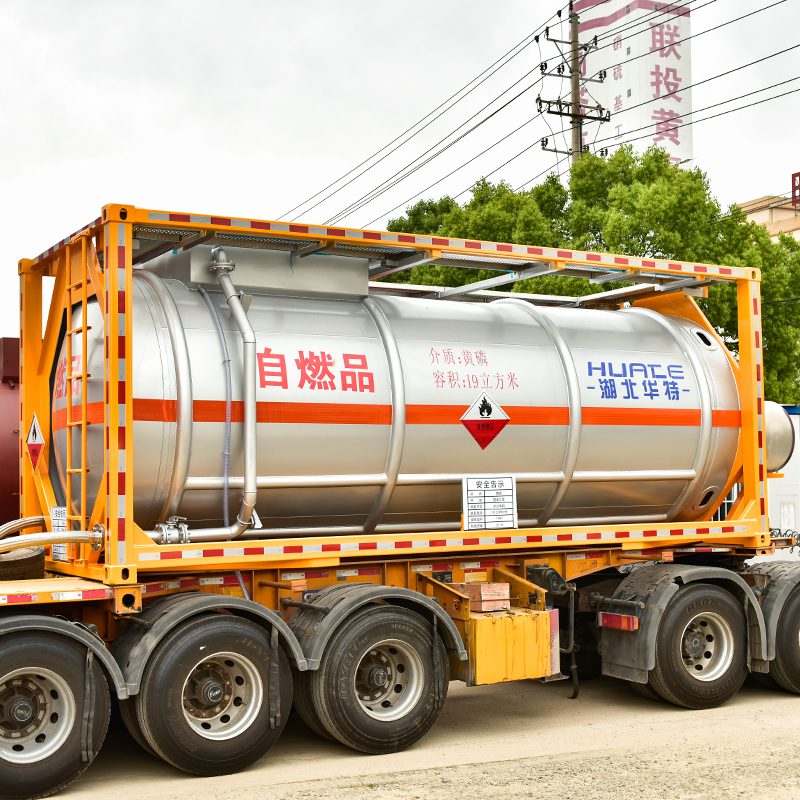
(173,530)
(226,366)
(94,538)
(17,525)
(226,447)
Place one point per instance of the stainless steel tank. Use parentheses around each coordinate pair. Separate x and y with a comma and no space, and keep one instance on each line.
(371,410)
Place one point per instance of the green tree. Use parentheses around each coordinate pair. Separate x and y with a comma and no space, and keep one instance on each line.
(640,205)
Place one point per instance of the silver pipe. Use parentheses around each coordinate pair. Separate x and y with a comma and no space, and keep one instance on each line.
(591,476)
(208,482)
(226,367)
(183,391)
(226,447)
(562,522)
(444,478)
(20,524)
(94,538)
(173,530)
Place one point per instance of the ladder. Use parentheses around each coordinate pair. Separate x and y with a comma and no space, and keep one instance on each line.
(77,295)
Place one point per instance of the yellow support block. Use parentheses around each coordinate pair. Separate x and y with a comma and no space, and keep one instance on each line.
(508,645)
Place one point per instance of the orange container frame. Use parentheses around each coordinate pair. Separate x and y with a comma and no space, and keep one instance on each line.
(128,555)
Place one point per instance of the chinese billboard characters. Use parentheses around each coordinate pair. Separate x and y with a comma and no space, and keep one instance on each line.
(642,45)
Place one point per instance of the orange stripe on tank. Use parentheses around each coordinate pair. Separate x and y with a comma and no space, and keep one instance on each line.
(153,410)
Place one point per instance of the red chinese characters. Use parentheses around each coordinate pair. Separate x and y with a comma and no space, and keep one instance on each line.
(272,369)
(666,82)
(315,371)
(356,377)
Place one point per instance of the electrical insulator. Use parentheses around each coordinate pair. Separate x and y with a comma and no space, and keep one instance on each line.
(545,140)
(543,67)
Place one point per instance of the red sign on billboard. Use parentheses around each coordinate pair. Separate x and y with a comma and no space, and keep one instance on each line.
(796,189)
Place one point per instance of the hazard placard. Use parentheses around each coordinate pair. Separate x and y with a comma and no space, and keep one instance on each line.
(35,441)
(484,419)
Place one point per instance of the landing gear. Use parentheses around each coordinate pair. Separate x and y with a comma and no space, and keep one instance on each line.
(54,712)
(215,696)
(700,648)
(382,681)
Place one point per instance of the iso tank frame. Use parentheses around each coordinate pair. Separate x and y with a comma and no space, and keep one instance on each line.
(121,556)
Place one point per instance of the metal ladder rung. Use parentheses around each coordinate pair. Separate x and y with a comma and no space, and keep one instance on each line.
(78,330)
(76,423)
(77,470)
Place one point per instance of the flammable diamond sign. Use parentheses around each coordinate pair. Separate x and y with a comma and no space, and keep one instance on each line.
(35,441)
(484,419)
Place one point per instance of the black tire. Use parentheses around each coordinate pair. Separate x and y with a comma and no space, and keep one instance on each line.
(304,706)
(694,614)
(645,690)
(50,674)
(26,563)
(784,670)
(130,719)
(218,652)
(374,633)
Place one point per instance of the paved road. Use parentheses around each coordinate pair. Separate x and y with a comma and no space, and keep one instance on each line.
(523,740)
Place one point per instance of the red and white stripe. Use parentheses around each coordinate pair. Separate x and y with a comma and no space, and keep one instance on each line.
(366,237)
(352,544)
(758,356)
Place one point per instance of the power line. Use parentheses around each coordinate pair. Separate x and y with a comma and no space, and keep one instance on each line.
(393,180)
(693,122)
(709,30)
(519,47)
(714,105)
(559,161)
(398,176)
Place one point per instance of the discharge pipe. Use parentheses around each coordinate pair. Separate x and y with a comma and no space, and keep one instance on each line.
(174,530)
(17,525)
(94,538)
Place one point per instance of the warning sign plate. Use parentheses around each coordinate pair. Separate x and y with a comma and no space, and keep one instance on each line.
(35,441)
(484,419)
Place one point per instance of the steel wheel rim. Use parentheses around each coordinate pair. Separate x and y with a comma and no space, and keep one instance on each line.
(707,646)
(222,696)
(37,714)
(388,680)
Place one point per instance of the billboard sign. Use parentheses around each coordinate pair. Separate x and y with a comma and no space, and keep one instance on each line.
(641,46)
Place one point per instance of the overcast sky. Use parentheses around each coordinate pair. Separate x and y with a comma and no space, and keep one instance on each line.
(248,107)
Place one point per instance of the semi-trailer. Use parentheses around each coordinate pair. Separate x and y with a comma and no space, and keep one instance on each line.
(254,475)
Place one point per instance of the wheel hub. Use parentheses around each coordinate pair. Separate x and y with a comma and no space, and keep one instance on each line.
(388,681)
(37,714)
(694,644)
(706,645)
(378,677)
(212,692)
(222,696)
(21,710)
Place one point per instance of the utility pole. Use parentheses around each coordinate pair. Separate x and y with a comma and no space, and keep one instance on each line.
(571,64)
(575,86)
